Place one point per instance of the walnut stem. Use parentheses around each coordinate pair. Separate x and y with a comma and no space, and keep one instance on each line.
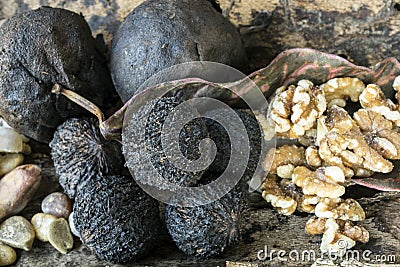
(81,101)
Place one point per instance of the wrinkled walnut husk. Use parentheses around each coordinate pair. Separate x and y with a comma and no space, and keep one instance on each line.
(38,49)
(208,230)
(115,218)
(80,152)
(167,33)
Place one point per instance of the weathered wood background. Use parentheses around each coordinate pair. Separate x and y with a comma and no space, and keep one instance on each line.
(362,31)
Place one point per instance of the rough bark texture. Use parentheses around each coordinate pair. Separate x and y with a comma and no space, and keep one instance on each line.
(362,31)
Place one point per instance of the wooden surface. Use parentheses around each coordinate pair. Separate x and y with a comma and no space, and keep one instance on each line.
(263,227)
(363,31)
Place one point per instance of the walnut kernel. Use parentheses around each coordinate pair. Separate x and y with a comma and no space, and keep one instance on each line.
(273,193)
(312,156)
(337,208)
(380,133)
(346,147)
(338,90)
(324,182)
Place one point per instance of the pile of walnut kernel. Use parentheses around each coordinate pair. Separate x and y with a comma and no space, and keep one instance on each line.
(333,147)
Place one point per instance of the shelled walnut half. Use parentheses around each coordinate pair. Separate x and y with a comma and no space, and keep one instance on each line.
(345,146)
(380,133)
(284,157)
(275,193)
(337,208)
(338,235)
(333,145)
(372,98)
(296,108)
(324,182)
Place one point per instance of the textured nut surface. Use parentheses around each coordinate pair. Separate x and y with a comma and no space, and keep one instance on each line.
(380,133)
(346,147)
(322,130)
(396,87)
(338,90)
(17,232)
(315,225)
(324,182)
(333,241)
(355,232)
(7,255)
(337,208)
(41,222)
(282,108)
(307,203)
(57,204)
(59,235)
(273,193)
(267,126)
(309,138)
(372,98)
(333,146)
(285,171)
(312,156)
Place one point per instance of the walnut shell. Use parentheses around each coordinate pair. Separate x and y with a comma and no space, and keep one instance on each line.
(38,49)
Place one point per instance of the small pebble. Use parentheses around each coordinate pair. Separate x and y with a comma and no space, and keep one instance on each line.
(10,141)
(60,236)
(57,204)
(41,222)
(17,232)
(72,225)
(7,255)
(9,162)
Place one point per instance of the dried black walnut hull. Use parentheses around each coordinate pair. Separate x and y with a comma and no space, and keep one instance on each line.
(115,218)
(152,126)
(42,47)
(80,152)
(221,139)
(208,230)
(161,33)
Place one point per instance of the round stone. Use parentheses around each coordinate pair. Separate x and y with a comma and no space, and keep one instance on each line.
(17,232)
(7,255)
(57,204)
